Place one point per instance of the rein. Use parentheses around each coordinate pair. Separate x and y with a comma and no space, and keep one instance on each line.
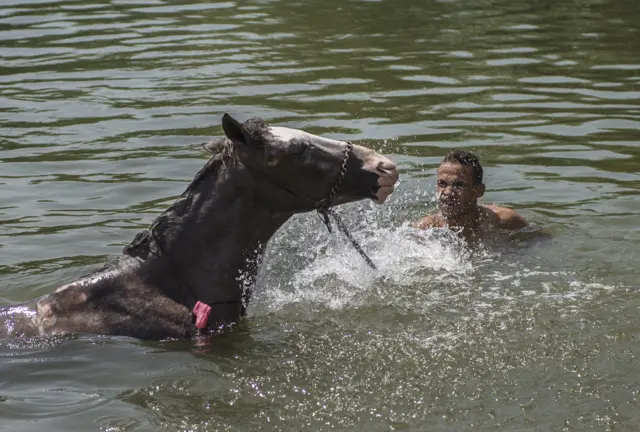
(326,212)
(324,207)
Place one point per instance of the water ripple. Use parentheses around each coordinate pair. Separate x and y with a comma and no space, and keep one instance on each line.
(105,105)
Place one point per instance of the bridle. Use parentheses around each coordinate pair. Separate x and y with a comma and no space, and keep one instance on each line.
(324,207)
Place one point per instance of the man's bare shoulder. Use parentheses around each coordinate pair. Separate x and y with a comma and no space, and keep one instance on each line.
(507,218)
(431,221)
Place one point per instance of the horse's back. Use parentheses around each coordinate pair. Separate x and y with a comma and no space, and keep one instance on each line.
(18,320)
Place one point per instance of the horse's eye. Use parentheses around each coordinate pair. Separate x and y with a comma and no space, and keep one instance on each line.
(297,148)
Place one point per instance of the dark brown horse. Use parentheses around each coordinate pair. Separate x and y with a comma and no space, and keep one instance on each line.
(194,268)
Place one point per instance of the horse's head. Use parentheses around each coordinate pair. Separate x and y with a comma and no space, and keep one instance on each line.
(296,170)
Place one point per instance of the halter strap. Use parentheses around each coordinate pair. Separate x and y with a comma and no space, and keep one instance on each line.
(324,206)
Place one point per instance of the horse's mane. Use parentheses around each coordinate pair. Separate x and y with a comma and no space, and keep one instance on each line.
(223,153)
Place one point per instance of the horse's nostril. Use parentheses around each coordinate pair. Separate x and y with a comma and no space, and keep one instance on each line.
(386,167)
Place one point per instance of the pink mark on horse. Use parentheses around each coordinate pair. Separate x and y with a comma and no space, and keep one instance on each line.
(201,311)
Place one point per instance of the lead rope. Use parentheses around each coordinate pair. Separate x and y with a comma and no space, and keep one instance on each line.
(324,208)
(325,212)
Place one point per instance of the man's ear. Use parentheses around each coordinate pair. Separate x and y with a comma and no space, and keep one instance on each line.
(479,189)
(232,128)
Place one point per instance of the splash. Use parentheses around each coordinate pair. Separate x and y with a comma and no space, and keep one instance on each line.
(314,268)
(426,272)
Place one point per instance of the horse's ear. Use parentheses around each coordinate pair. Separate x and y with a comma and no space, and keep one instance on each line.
(232,128)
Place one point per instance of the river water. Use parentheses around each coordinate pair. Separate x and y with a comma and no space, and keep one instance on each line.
(104,106)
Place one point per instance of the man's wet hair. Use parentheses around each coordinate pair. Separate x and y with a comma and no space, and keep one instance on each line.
(463,157)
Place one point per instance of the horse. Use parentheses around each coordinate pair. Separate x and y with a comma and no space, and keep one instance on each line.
(193,270)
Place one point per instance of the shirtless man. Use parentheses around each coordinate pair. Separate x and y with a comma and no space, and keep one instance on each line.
(458,188)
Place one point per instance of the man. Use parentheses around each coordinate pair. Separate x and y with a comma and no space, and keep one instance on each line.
(458,188)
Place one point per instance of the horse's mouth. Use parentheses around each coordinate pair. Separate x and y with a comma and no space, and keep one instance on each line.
(386,186)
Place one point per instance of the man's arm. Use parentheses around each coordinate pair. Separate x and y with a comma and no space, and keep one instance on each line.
(429,221)
(509,219)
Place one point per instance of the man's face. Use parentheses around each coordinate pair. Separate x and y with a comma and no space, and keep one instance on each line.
(457,195)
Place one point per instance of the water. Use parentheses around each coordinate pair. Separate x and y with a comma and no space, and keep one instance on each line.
(105,104)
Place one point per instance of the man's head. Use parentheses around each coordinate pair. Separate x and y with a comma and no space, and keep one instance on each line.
(459,183)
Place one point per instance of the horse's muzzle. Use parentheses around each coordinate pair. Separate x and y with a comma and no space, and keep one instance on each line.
(387,178)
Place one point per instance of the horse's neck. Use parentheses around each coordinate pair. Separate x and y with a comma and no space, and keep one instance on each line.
(212,237)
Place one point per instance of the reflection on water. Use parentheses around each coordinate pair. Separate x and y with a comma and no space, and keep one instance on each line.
(105,105)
